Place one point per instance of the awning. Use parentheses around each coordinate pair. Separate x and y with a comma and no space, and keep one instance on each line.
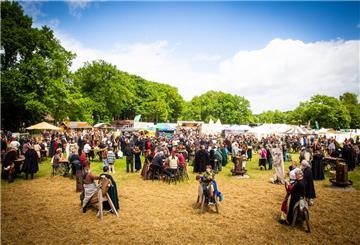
(43,126)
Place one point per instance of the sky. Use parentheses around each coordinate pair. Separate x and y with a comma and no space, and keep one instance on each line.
(275,54)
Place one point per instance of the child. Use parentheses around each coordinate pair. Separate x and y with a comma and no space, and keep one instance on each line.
(208,178)
(293,169)
(110,160)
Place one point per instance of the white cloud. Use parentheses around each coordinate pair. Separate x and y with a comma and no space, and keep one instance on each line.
(76,6)
(278,76)
(288,71)
(32,9)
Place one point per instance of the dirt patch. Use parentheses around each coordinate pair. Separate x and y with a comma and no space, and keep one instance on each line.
(47,210)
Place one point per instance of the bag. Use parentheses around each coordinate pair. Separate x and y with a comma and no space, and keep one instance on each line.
(120,154)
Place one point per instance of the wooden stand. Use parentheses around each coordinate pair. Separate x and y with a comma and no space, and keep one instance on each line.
(341,175)
(239,168)
(101,201)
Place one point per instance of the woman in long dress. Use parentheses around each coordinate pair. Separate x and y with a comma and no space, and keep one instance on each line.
(137,153)
(318,165)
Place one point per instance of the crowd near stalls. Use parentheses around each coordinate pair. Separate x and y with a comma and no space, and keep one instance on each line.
(171,148)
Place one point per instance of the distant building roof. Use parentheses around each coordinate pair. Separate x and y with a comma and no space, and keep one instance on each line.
(76,125)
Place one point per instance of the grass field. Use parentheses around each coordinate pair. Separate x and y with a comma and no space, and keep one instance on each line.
(46,210)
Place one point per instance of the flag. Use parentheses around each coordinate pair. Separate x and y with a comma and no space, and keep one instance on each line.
(137,118)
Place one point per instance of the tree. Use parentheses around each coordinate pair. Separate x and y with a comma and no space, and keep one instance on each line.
(328,111)
(230,109)
(350,101)
(272,117)
(34,70)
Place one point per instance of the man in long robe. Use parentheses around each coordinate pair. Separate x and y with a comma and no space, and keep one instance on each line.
(201,160)
(278,160)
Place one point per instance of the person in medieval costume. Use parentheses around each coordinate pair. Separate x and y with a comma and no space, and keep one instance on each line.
(8,165)
(318,165)
(31,164)
(278,161)
(89,188)
(201,160)
(112,191)
(224,153)
(308,181)
(297,192)
(76,168)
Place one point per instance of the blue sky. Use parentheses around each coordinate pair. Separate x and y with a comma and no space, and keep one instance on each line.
(208,40)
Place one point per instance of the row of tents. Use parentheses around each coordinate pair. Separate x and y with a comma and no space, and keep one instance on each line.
(211,128)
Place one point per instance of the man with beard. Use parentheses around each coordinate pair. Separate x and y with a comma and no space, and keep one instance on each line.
(201,160)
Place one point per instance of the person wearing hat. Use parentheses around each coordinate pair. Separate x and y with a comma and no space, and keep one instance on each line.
(137,153)
(297,192)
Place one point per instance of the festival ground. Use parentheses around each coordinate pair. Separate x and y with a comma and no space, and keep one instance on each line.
(46,210)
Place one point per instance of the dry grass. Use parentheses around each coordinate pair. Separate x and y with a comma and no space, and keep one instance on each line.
(47,211)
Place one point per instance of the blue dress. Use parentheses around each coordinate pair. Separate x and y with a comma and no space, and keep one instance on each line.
(137,161)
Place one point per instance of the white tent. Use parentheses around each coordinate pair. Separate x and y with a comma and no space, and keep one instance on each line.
(296,130)
(269,129)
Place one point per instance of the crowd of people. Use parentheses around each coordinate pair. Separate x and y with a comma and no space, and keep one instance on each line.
(169,156)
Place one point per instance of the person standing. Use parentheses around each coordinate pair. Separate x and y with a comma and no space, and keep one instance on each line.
(308,181)
(129,153)
(279,172)
(137,153)
(31,164)
(297,192)
(269,156)
(318,165)
(201,160)
(111,160)
(262,157)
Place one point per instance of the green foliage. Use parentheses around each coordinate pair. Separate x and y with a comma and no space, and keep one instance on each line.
(328,111)
(272,117)
(34,70)
(230,109)
(350,101)
(36,81)
(119,95)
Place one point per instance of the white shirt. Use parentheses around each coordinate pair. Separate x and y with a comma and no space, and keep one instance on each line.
(173,162)
(87,148)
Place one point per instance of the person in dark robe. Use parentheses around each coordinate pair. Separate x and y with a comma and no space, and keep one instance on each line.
(297,192)
(51,148)
(308,181)
(112,191)
(201,160)
(318,165)
(224,155)
(8,165)
(137,153)
(31,164)
(76,169)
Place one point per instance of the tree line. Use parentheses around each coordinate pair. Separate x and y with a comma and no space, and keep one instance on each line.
(36,82)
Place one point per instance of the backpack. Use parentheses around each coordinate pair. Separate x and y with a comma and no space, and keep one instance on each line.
(263,153)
